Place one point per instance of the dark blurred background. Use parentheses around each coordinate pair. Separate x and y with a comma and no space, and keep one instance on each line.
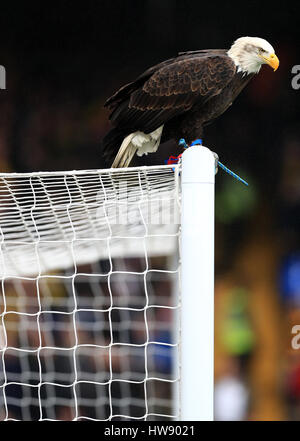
(63,59)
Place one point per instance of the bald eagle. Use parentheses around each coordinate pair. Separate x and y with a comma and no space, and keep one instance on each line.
(178,97)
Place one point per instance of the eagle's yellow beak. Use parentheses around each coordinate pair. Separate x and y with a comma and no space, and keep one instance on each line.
(271,60)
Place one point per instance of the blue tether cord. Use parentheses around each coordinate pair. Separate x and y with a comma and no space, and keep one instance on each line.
(227,170)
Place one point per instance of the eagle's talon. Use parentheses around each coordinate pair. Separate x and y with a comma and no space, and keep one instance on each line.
(183,143)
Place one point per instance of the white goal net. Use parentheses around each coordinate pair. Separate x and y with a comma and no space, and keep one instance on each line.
(89,302)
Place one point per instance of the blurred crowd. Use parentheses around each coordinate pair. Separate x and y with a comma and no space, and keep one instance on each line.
(89,346)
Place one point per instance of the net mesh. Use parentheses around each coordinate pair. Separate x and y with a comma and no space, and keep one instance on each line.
(89,301)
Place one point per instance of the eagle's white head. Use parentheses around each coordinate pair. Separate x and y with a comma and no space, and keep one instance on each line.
(249,53)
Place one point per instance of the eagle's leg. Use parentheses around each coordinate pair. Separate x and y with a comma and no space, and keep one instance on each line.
(183,143)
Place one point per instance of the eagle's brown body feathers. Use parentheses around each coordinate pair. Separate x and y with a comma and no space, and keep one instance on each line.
(183,94)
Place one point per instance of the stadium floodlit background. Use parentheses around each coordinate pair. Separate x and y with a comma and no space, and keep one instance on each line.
(63,60)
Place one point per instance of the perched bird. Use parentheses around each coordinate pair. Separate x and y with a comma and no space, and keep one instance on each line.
(178,97)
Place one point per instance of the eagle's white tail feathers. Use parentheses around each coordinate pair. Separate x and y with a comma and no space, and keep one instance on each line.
(139,142)
(126,153)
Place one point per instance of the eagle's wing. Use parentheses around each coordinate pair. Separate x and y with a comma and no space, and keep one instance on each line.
(125,91)
(170,89)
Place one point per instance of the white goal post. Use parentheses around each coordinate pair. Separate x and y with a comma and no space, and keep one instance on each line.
(107,293)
